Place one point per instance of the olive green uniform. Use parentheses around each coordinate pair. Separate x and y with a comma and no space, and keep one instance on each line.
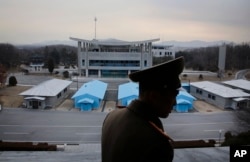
(135,134)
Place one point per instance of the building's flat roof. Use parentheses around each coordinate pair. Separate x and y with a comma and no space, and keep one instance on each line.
(219,90)
(239,83)
(113,42)
(47,88)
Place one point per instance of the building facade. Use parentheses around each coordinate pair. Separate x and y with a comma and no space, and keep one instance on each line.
(219,95)
(184,101)
(46,94)
(36,64)
(163,51)
(112,58)
(243,85)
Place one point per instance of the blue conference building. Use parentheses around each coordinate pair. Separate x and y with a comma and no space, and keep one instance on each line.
(90,95)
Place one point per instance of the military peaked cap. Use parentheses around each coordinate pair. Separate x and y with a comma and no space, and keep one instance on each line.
(165,75)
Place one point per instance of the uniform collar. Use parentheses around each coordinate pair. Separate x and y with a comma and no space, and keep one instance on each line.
(145,111)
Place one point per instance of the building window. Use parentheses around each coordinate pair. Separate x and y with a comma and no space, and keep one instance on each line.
(199,91)
(115,63)
(93,72)
(145,63)
(59,95)
(65,90)
(211,96)
(83,62)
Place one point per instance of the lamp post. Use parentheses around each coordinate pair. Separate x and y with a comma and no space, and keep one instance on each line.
(220,131)
(77,80)
(95,26)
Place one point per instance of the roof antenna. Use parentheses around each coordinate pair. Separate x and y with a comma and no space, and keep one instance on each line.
(95,27)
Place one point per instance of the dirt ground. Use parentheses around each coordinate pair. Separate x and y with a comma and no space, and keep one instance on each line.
(9,96)
(204,107)
(66,105)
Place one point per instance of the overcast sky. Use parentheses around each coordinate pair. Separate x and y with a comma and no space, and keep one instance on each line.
(32,21)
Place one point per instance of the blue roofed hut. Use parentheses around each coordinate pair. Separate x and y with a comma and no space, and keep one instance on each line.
(90,95)
(127,92)
(184,102)
(186,86)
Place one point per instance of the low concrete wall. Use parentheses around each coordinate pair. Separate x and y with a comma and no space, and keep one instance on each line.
(26,146)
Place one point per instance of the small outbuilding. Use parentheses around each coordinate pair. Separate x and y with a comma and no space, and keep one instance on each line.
(220,95)
(90,95)
(184,102)
(46,94)
(127,92)
(182,105)
(242,84)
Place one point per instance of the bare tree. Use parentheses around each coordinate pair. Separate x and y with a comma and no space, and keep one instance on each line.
(3,75)
(51,65)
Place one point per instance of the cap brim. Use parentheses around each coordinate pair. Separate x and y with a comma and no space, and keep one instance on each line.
(157,72)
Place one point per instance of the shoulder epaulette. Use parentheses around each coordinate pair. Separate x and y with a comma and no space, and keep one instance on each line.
(161,131)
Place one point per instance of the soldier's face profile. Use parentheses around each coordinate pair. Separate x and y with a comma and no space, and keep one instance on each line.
(163,102)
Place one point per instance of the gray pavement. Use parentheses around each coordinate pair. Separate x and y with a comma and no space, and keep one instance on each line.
(23,79)
(92,153)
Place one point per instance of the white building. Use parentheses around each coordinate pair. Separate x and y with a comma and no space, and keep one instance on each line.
(239,84)
(36,65)
(113,58)
(219,95)
(163,50)
(48,93)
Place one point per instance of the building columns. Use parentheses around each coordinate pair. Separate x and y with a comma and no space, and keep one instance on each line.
(99,73)
(86,72)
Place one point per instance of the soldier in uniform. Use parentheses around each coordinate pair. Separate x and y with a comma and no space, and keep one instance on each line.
(135,133)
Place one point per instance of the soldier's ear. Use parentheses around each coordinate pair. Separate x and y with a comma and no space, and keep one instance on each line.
(153,94)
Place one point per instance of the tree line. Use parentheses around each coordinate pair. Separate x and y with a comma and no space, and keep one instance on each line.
(11,57)
(237,57)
